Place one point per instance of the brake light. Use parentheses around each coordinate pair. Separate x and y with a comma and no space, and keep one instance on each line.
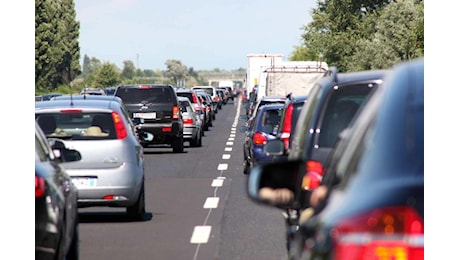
(313,175)
(386,233)
(195,100)
(120,128)
(39,186)
(188,121)
(144,87)
(215,99)
(259,138)
(175,113)
(286,131)
(71,110)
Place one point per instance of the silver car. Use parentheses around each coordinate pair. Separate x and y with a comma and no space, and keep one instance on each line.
(111,171)
(193,130)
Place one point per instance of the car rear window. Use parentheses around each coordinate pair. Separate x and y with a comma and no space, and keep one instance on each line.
(137,95)
(207,90)
(185,94)
(81,126)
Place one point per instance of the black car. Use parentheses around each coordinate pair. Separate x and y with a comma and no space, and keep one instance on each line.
(332,104)
(374,205)
(157,111)
(56,211)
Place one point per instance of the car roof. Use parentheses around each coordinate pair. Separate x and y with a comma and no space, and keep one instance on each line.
(88,97)
(346,77)
(80,103)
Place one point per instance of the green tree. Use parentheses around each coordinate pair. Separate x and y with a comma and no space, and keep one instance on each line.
(107,75)
(336,28)
(46,36)
(302,53)
(176,71)
(129,71)
(69,27)
(398,37)
(56,44)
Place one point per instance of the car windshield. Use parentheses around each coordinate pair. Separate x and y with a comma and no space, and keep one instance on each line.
(77,125)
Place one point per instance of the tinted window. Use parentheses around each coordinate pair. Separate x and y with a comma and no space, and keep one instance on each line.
(342,105)
(145,95)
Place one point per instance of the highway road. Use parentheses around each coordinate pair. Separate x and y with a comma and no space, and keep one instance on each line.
(197,207)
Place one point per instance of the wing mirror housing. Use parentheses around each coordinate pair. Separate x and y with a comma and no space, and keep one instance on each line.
(278,175)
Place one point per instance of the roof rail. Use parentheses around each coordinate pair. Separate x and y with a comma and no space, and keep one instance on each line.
(332,71)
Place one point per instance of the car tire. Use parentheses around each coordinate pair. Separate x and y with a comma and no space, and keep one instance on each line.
(178,145)
(196,142)
(137,211)
(246,167)
(72,254)
(200,139)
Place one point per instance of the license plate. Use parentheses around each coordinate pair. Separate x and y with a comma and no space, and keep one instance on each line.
(84,181)
(152,115)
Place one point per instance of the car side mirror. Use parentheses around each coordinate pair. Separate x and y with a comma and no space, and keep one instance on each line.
(272,177)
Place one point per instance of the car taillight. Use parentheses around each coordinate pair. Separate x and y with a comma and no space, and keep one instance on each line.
(195,100)
(215,99)
(39,186)
(188,120)
(71,110)
(313,175)
(286,131)
(120,128)
(144,87)
(259,138)
(175,113)
(385,233)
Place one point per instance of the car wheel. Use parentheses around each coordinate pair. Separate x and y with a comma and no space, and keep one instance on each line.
(195,141)
(206,126)
(72,254)
(137,211)
(210,122)
(178,145)
(246,167)
(200,140)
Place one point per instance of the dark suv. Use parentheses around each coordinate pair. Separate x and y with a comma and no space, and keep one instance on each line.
(156,111)
(331,105)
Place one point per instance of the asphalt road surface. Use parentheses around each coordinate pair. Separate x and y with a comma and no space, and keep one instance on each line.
(197,207)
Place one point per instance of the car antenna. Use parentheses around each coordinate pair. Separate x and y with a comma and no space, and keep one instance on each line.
(71,97)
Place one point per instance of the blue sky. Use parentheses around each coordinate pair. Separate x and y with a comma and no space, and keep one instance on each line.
(201,34)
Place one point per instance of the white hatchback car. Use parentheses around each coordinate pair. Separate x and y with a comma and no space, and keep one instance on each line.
(111,171)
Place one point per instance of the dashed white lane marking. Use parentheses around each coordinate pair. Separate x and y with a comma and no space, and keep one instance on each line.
(217,183)
(211,203)
(226,156)
(200,234)
(222,167)
(231,139)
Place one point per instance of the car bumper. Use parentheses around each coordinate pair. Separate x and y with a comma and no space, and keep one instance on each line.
(113,187)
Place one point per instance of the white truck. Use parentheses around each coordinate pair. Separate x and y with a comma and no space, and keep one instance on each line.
(255,64)
(271,76)
(296,77)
